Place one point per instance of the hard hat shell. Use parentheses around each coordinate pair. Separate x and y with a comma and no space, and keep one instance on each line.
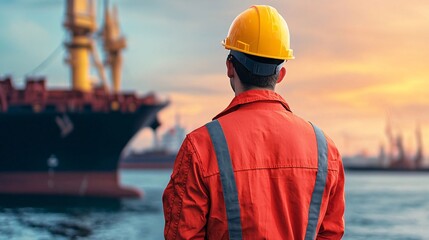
(261,31)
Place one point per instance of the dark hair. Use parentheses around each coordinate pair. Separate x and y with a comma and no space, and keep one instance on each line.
(250,80)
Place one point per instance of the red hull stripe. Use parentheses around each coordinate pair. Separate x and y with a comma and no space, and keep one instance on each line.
(98,184)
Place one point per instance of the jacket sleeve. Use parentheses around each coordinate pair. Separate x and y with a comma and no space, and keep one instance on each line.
(332,226)
(185,198)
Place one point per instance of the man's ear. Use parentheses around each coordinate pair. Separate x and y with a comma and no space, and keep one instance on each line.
(282,74)
(229,69)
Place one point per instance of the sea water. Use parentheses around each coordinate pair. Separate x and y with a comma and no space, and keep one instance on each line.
(379,206)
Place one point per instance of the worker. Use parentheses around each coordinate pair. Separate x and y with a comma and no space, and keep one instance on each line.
(257,171)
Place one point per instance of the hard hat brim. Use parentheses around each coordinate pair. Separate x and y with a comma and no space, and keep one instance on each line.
(288,56)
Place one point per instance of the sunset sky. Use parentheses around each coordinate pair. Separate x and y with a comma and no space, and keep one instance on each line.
(357,63)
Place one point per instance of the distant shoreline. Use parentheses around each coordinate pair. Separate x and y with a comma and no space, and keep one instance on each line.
(384,169)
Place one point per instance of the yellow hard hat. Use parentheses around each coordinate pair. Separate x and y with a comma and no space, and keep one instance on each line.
(260,31)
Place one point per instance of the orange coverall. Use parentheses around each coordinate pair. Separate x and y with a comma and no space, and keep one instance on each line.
(274,157)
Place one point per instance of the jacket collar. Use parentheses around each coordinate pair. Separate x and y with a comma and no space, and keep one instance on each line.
(251,96)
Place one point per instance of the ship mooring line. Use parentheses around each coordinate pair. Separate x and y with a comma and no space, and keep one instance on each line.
(47,60)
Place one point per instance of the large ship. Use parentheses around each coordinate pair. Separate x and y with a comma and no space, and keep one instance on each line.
(68,141)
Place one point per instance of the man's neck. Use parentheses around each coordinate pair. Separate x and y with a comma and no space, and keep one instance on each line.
(244,89)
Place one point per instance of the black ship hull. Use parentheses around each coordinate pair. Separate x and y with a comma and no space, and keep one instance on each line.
(37,142)
(74,153)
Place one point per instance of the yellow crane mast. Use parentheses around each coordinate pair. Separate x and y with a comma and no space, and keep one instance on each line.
(81,23)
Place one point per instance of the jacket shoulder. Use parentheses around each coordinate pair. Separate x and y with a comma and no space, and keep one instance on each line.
(204,152)
(334,156)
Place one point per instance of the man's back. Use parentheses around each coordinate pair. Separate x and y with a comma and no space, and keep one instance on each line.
(275,160)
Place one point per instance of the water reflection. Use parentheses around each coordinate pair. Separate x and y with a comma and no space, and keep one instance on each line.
(76,218)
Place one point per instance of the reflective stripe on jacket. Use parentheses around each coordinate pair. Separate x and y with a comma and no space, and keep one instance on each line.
(274,159)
